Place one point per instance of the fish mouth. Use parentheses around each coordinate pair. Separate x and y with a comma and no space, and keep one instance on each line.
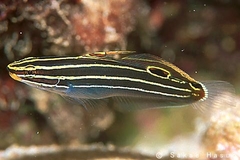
(12,74)
(15,77)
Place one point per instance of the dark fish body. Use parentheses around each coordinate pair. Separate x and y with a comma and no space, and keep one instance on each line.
(130,80)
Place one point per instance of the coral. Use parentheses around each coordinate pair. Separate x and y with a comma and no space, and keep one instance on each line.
(222,137)
(64,27)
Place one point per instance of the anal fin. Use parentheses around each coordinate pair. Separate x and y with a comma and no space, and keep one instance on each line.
(138,103)
(88,104)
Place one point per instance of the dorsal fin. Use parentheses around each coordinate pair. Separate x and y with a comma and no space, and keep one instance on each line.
(143,56)
(140,60)
(109,54)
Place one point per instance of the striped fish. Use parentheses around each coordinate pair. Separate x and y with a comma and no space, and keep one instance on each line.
(120,78)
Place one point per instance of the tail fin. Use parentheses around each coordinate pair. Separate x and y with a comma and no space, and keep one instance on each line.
(219,97)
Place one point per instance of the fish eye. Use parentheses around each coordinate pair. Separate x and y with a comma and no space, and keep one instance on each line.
(159,72)
(30,71)
(29,74)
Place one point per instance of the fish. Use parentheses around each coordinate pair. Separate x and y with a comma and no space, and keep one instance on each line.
(122,79)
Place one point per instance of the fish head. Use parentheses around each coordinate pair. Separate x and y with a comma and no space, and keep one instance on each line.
(28,71)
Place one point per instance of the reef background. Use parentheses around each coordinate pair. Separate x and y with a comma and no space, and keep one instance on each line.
(201,37)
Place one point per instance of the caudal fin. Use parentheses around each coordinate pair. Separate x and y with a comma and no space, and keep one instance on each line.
(219,97)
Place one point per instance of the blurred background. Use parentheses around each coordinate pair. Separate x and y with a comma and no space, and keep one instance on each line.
(199,36)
